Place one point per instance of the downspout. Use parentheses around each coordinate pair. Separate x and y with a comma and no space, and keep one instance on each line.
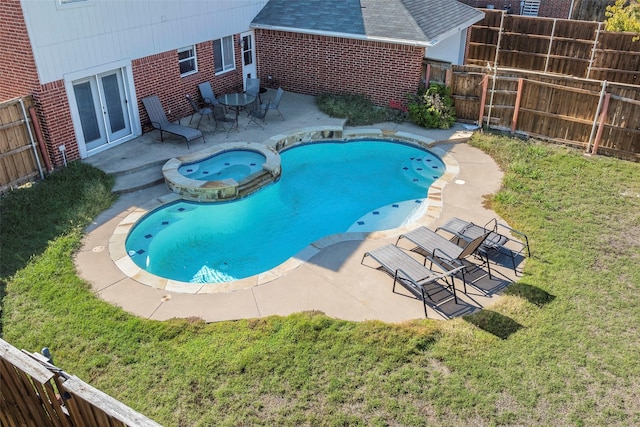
(40,138)
(33,142)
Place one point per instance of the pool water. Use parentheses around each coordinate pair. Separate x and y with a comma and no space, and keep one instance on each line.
(235,164)
(325,188)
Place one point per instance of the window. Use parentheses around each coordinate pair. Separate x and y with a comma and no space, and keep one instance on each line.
(187,60)
(223,55)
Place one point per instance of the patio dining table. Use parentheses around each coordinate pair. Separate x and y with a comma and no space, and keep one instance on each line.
(236,102)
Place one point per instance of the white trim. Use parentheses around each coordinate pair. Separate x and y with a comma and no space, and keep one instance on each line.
(72,4)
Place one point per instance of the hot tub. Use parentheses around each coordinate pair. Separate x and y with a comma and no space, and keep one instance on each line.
(224,172)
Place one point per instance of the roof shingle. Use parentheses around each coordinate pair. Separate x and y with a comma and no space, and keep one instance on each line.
(404,21)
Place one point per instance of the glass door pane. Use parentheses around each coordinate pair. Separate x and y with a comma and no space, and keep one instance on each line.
(114,105)
(87,111)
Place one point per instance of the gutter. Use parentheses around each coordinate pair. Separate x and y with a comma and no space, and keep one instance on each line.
(417,43)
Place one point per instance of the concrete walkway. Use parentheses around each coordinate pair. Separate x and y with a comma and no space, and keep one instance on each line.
(332,281)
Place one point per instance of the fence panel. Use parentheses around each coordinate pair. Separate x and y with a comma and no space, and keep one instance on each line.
(20,159)
(576,48)
(556,108)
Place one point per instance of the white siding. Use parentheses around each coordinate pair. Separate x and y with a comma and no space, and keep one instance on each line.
(83,35)
(450,49)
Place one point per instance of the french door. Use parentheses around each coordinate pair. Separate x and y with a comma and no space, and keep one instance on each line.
(103,109)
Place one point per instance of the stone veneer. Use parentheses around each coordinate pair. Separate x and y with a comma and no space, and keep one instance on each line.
(117,241)
(212,191)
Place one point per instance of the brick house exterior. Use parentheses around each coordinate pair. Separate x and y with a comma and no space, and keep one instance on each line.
(318,64)
(33,64)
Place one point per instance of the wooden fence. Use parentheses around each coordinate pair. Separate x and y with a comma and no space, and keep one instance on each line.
(35,393)
(597,116)
(20,156)
(577,48)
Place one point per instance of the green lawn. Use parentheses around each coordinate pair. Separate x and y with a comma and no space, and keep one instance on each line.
(560,349)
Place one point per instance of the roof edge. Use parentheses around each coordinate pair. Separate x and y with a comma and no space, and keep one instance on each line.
(457,29)
(417,43)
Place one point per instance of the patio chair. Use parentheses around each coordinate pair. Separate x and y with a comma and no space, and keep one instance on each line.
(445,253)
(208,97)
(223,121)
(275,104)
(419,280)
(252,87)
(257,115)
(496,241)
(159,121)
(205,111)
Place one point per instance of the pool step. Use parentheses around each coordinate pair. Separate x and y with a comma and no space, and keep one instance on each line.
(254,182)
(138,179)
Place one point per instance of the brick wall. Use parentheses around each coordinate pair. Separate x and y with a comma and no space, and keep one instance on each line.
(312,65)
(57,127)
(17,65)
(160,75)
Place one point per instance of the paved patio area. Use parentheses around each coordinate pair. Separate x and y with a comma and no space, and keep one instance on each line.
(333,280)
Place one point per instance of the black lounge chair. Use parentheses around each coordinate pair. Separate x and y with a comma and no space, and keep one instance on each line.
(447,254)
(159,121)
(496,242)
(421,281)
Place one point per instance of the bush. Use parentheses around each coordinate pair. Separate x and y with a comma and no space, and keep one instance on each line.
(357,109)
(433,107)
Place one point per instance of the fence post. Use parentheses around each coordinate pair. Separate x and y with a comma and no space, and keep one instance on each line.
(595,118)
(516,108)
(427,77)
(483,98)
(603,119)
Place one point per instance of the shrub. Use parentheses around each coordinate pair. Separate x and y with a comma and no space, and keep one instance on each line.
(433,107)
(357,109)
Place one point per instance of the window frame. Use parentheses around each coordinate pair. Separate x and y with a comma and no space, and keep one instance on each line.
(193,57)
(230,57)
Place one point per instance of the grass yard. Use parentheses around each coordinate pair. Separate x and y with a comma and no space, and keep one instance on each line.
(560,349)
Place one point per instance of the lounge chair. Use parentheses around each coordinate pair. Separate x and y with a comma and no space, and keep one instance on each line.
(159,121)
(422,282)
(445,253)
(205,111)
(208,97)
(275,104)
(257,115)
(496,241)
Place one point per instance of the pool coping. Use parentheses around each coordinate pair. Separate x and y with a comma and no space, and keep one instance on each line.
(430,212)
(221,190)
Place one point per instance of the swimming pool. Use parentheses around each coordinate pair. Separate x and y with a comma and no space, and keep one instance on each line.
(325,188)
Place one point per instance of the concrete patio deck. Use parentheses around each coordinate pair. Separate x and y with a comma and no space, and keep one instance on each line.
(333,280)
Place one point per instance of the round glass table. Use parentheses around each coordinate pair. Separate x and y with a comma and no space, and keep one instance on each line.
(236,102)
